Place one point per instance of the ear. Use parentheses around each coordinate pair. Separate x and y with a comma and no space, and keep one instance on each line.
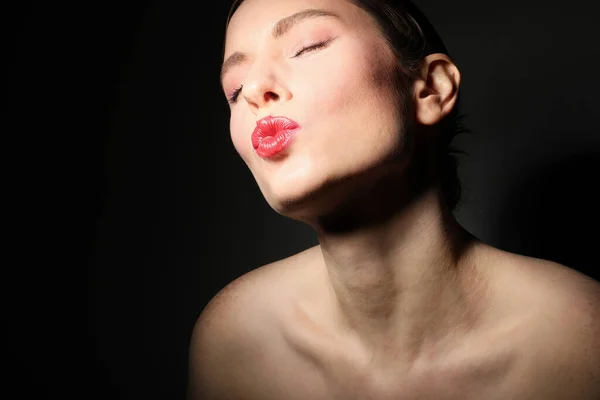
(436,90)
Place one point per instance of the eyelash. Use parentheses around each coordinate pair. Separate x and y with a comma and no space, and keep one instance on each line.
(315,46)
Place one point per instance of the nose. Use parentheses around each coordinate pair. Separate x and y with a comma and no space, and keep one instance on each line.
(263,89)
(259,95)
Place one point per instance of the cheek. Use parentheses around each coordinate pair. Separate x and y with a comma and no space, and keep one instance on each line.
(329,87)
(354,103)
(342,83)
(239,137)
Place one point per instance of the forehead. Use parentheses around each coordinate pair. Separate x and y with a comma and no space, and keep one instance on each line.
(254,20)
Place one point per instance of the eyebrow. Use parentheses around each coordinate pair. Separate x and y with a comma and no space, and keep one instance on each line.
(282,27)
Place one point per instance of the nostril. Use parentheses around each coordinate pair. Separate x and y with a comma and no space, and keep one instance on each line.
(272,95)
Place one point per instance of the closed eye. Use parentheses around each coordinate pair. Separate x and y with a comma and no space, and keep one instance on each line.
(310,48)
(233,98)
(313,47)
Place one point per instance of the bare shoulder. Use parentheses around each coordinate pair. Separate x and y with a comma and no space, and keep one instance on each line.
(569,330)
(237,335)
(548,282)
(562,338)
(253,291)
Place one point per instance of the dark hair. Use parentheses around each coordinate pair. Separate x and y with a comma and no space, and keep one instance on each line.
(411,37)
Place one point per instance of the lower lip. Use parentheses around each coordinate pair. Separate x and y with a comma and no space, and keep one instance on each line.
(273,145)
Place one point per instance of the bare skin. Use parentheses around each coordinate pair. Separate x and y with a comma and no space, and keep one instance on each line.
(397,301)
(537,339)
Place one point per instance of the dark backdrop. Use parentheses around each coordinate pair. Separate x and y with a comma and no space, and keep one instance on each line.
(182,215)
(173,214)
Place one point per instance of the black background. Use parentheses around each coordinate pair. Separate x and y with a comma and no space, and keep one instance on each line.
(125,171)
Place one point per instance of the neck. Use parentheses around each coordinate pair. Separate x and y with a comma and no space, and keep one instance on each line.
(404,280)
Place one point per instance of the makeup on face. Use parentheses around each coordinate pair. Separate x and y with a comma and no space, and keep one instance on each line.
(272,135)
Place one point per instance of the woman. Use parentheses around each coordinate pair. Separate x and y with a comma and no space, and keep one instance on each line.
(343,112)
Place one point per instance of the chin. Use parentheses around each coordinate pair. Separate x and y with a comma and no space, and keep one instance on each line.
(305,189)
(306,201)
(291,197)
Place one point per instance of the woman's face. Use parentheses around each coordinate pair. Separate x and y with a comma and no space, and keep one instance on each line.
(340,95)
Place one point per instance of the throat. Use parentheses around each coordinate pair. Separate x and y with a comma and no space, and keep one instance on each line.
(422,326)
(391,318)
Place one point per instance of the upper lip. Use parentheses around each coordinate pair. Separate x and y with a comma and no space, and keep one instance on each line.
(270,126)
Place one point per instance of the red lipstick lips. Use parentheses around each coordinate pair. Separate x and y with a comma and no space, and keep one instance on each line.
(272,135)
